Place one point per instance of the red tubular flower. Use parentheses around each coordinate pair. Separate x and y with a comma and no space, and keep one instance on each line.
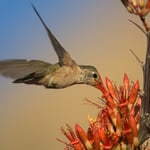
(83,137)
(74,142)
(69,137)
(96,143)
(107,95)
(127,133)
(134,93)
(126,86)
(110,89)
(106,143)
(133,127)
(118,124)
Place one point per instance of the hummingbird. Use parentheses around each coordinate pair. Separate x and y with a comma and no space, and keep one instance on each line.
(59,75)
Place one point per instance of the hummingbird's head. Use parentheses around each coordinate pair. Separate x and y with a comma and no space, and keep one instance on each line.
(89,75)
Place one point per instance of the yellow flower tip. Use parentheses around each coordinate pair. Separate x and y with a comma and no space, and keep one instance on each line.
(88,145)
(130,106)
(114,120)
(130,10)
(123,146)
(136,141)
(91,120)
(117,147)
(134,3)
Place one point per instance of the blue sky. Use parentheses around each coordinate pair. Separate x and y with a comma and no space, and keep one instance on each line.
(19,20)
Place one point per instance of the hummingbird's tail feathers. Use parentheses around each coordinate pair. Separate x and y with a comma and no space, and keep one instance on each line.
(24,79)
(63,55)
(30,79)
(19,68)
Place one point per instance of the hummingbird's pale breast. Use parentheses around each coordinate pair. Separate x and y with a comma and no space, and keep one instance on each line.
(63,77)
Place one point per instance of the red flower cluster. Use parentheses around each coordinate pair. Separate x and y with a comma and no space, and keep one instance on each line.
(116,125)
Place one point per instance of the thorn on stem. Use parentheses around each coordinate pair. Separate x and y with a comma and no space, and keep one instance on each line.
(138,27)
(138,59)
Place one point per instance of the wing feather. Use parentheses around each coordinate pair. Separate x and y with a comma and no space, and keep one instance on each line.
(63,56)
(19,68)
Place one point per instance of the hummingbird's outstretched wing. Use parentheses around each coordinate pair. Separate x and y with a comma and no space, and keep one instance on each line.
(63,55)
(19,68)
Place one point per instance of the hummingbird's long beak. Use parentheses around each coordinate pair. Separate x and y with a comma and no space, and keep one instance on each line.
(99,83)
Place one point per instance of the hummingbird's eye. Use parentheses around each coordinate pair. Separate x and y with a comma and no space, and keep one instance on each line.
(94,75)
